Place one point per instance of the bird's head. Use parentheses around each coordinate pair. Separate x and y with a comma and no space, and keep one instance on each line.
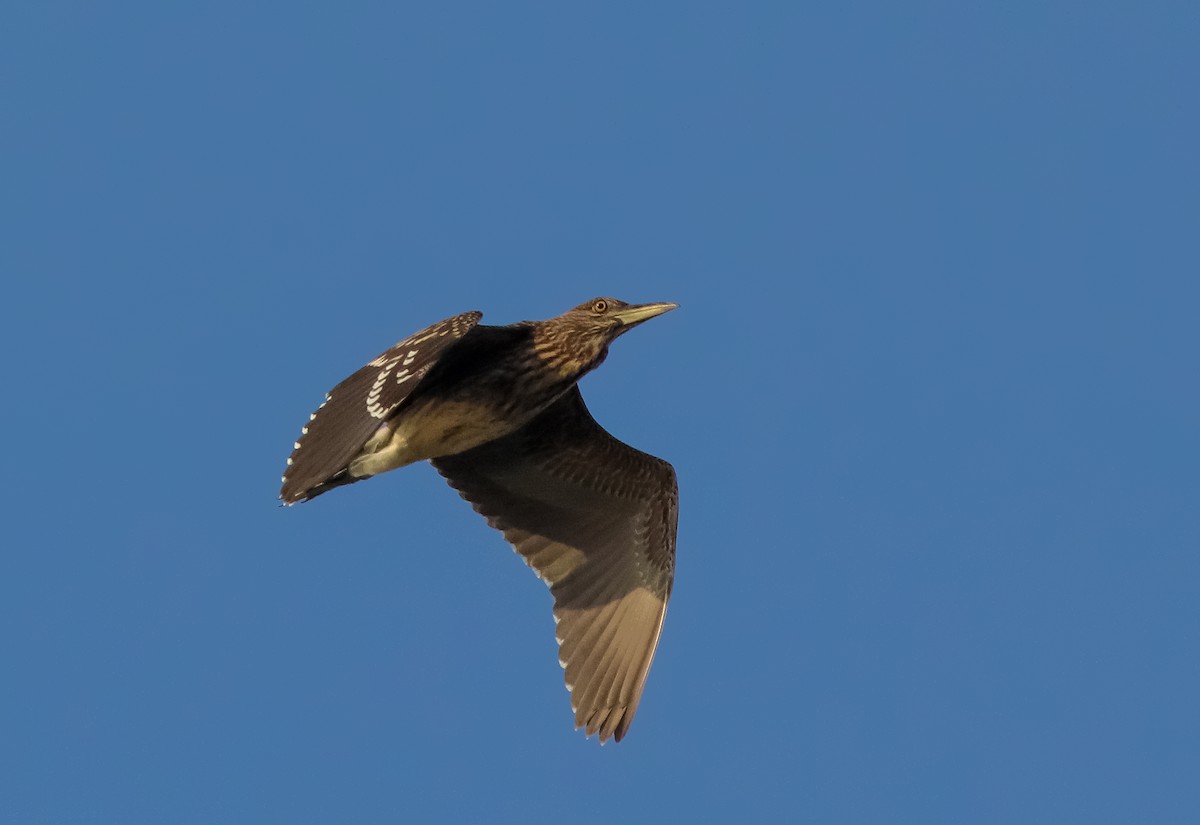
(578,340)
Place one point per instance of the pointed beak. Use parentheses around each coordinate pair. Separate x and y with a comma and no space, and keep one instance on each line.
(630,317)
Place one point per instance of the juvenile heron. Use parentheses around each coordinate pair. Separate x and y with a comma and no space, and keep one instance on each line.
(498,412)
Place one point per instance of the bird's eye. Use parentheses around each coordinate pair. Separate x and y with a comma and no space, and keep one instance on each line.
(599,307)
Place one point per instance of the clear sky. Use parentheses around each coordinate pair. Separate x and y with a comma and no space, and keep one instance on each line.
(931,394)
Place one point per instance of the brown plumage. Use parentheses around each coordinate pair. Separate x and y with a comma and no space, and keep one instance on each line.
(498,412)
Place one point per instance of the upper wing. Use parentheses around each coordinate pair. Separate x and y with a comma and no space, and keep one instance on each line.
(596,520)
(354,409)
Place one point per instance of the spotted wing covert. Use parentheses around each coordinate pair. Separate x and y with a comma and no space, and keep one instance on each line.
(354,409)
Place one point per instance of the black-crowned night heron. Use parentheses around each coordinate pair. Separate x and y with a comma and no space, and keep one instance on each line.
(498,412)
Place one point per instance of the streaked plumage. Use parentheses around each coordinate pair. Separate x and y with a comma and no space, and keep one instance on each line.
(498,412)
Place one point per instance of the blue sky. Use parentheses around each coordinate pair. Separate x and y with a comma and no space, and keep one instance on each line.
(931,394)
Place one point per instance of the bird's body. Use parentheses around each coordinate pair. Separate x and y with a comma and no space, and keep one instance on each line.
(445,416)
(497,411)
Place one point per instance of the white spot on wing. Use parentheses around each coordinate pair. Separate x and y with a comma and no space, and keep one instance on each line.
(376,409)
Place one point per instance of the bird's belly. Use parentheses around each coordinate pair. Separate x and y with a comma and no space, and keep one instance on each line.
(428,430)
(447,427)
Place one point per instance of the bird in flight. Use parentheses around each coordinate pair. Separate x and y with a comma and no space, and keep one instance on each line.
(498,412)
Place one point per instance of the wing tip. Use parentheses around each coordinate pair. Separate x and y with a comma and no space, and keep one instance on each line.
(611,722)
(294,492)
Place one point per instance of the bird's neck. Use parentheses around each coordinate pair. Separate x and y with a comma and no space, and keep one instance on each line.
(569,359)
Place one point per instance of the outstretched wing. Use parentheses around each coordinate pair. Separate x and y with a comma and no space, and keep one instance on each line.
(354,409)
(596,519)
